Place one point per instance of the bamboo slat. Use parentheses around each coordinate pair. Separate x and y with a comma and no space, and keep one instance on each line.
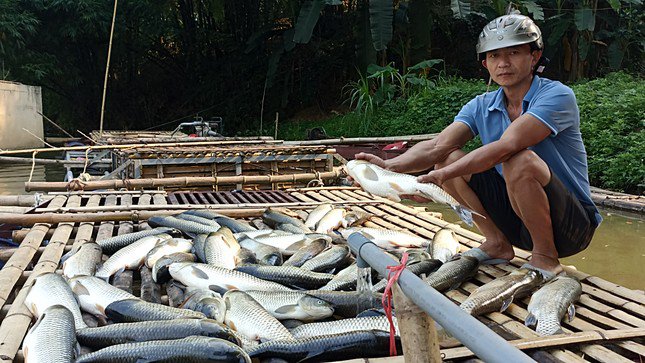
(364,140)
(15,324)
(131,184)
(617,289)
(604,355)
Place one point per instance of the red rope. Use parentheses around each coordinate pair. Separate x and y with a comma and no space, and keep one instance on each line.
(392,276)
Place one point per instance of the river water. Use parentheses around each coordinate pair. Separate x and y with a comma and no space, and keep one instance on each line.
(616,253)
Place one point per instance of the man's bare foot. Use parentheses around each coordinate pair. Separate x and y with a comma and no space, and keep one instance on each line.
(546,262)
(501,250)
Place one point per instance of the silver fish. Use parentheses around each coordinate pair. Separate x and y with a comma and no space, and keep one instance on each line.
(198,219)
(220,248)
(198,246)
(245,256)
(417,268)
(113,244)
(391,185)
(344,326)
(51,289)
(290,228)
(160,272)
(452,273)
(551,303)
(168,247)
(266,254)
(292,305)
(331,221)
(345,280)
(95,294)
(287,244)
(248,317)
(190,349)
(218,279)
(387,238)
(134,310)
(288,275)
(207,302)
(120,333)
(444,245)
(84,261)
(187,227)
(334,257)
(234,224)
(345,303)
(316,215)
(130,257)
(52,338)
(307,252)
(272,217)
(498,294)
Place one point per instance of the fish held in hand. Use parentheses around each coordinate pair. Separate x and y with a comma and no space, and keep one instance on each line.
(551,303)
(498,294)
(391,185)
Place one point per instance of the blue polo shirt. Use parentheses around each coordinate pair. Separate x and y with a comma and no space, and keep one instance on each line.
(554,104)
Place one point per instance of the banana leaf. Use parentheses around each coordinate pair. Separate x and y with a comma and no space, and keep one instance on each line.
(381,16)
(307,19)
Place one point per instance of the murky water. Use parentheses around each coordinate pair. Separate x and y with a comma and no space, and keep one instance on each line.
(364,288)
(616,252)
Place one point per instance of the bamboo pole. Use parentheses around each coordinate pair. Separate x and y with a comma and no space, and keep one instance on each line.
(418,333)
(6,253)
(363,140)
(139,145)
(14,209)
(164,139)
(55,124)
(20,160)
(178,182)
(107,68)
(23,200)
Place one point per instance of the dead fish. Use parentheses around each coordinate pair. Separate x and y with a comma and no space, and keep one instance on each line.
(160,273)
(287,244)
(188,227)
(331,221)
(204,301)
(130,257)
(233,224)
(52,338)
(120,333)
(94,294)
(133,310)
(290,228)
(453,273)
(354,217)
(424,267)
(345,326)
(345,303)
(272,217)
(444,245)
(266,254)
(220,248)
(248,317)
(391,185)
(218,279)
(498,294)
(551,303)
(51,289)
(307,252)
(288,275)
(168,247)
(198,246)
(84,261)
(388,239)
(334,257)
(362,344)
(292,305)
(344,280)
(316,215)
(198,219)
(113,244)
(245,256)
(190,349)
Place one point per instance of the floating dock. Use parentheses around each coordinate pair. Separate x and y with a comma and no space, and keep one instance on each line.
(610,319)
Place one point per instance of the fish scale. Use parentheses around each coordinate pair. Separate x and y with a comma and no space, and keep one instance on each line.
(220,248)
(452,273)
(113,244)
(288,275)
(331,258)
(306,253)
(316,215)
(292,305)
(182,225)
(550,304)
(95,295)
(134,310)
(52,289)
(83,262)
(52,339)
(190,349)
(248,317)
(130,257)
(344,326)
(217,278)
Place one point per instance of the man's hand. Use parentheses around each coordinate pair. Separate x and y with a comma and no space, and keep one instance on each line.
(434,176)
(372,159)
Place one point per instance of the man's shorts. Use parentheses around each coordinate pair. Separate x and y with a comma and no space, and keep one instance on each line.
(573,223)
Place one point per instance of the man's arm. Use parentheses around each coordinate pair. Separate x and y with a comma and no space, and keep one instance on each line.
(525,131)
(426,154)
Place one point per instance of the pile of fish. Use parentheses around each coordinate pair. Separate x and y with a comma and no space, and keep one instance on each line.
(284,286)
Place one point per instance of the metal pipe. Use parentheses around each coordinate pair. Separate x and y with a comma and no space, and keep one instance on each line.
(487,345)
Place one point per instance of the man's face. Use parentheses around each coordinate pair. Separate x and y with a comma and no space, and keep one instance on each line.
(510,66)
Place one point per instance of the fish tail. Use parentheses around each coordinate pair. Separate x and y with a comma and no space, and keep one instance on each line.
(465,214)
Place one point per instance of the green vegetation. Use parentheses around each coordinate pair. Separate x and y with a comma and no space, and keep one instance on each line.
(612,112)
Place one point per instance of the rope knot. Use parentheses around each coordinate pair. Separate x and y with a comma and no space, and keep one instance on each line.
(393,274)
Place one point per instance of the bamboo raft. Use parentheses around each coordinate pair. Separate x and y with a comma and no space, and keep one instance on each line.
(609,324)
(621,201)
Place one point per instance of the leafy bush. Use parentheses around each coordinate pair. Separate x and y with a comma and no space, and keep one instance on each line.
(612,113)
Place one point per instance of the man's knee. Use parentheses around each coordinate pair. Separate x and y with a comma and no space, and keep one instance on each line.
(525,164)
(452,157)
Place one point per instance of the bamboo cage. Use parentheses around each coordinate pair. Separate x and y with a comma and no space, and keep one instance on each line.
(223,161)
(610,319)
